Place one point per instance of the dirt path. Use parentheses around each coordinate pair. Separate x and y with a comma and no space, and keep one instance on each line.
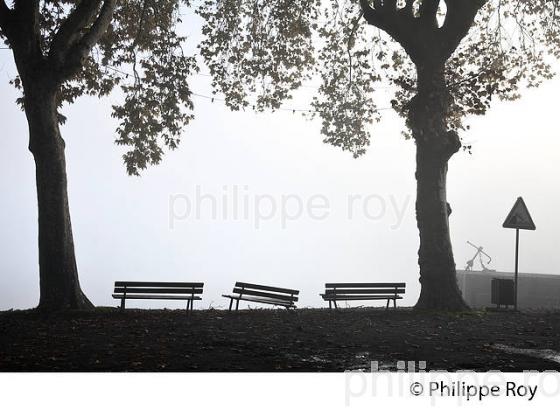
(273,340)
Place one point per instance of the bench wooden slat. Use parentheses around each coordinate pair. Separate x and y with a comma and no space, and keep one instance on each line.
(268,288)
(170,297)
(158,290)
(365,285)
(327,297)
(261,300)
(160,284)
(265,294)
(253,292)
(364,291)
(346,291)
(124,290)
(268,301)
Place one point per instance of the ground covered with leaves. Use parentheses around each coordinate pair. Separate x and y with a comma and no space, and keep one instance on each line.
(276,340)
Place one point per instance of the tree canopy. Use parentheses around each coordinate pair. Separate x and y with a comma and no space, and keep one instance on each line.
(141,52)
(259,52)
(267,49)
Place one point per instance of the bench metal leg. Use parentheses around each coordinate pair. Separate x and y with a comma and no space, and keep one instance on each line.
(388,301)
(330,304)
(237,305)
(192,303)
(123,302)
(189,304)
(230,303)
(335,305)
(395,303)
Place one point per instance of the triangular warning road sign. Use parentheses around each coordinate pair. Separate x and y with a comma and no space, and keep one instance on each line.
(519,217)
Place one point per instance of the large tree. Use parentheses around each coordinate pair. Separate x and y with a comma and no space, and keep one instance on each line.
(66,48)
(445,59)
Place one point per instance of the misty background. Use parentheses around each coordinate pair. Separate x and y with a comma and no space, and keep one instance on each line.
(124,227)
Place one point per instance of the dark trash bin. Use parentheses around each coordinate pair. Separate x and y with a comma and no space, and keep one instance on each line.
(503,292)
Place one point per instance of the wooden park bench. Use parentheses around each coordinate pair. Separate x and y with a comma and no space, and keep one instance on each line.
(363,291)
(189,291)
(262,294)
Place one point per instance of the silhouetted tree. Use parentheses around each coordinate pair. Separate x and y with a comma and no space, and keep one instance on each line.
(447,59)
(67,48)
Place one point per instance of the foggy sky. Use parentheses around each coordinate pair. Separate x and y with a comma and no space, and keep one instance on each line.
(122,226)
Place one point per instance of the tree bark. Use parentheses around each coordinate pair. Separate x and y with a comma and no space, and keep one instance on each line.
(59,284)
(435,145)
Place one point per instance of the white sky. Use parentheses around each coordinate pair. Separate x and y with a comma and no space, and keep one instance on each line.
(122,226)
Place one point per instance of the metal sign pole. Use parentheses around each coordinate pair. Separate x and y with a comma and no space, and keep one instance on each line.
(516,266)
(518,218)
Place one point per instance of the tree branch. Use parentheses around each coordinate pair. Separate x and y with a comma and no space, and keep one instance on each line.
(459,19)
(27,11)
(81,49)
(380,16)
(407,9)
(399,24)
(420,37)
(100,26)
(5,14)
(390,5)
(25,32)
(428,12)
(370,14)
(383,16)
(71,29)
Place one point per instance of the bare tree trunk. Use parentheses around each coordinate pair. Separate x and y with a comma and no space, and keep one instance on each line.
(42,73)
(59,284)
(429,46)
(435,145)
